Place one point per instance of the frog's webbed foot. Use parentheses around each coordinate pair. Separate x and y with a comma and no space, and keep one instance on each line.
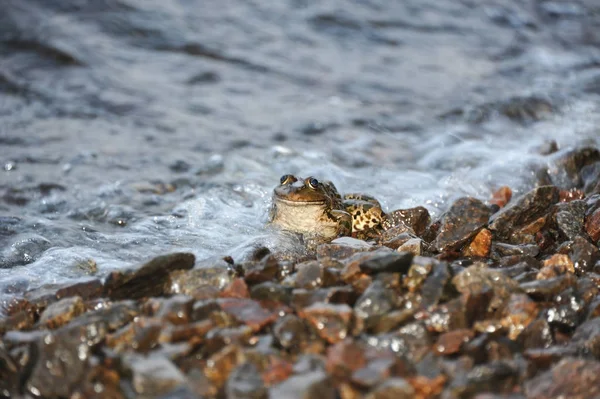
(344,221)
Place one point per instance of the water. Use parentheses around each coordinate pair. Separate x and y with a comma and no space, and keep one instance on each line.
(133,128)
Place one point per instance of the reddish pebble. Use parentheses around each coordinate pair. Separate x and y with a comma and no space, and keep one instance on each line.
(450,342)
(236,289)
(480,246)
(592,225)
(570,195)
(501,196)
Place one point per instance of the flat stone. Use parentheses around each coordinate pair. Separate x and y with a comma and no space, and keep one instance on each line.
(148,279)
(460,223)
(523,211)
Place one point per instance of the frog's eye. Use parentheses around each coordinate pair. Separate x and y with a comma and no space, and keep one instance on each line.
(286,179)
(313,183)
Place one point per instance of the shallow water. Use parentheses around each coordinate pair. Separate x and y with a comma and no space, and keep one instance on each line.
(133,128)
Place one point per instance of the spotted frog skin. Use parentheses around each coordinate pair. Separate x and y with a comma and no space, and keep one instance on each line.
(316,209)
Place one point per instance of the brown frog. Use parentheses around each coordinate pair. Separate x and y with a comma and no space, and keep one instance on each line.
(316,210)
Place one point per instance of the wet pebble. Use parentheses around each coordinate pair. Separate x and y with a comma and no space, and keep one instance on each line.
(384,261)
(417,219)
(343,247)
(570,378)
(461,222)
(332,322)
(523,211)
(148,279)
(480,246)
(61,312)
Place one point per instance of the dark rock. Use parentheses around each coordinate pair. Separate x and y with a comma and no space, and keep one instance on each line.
(332,322)
(393,388)
(587,337)
(142,336)
(569,218)
(250,312)
(345,357)
(416,218)
(380,262)
(519,312)
(544,358)
(461,222)
(592,225)
(302,298)
(309,275)
(314,384)
(87,289)
(61,312)
(566,167)
(583,255)
(217,274)
(291,333)
(436,285)
(396,236)
(537,335)
(267,269)
(525,210)
(343,247)
(147,280)
(17,321)
(497,376)
(377,300)
(590,174)
(478,278)
(245,382)
(271,291)
(61,364)
(445,317)
(570,378)
(153,375)
(176,310)
(548,288)
(566,310)
(503,249)
(9,375)
(449,343)
(556,265)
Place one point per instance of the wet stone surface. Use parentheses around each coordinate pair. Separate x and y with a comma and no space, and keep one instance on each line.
(461,222)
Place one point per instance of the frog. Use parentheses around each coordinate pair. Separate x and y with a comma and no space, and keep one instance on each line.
(315,209)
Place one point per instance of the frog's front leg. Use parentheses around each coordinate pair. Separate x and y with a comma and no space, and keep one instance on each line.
(344,221)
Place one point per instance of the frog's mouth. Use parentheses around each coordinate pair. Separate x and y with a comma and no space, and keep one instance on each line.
(298,203)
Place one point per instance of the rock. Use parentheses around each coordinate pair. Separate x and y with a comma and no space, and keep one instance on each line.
(345,357)
(501,197)
(525,210)
(587,337)
(569,218)
(314,384)
(583,255)
(146,280)
(478,278)
(384,261)
(267,269)
(153,375)
(176,309)
(142,336)
(377,300)
(503,249)
(461,222)
(291,333)
(592,225)
(309,275)
(245,382)
(393,388)
(519,312)
(414,246)
(548,288)
(480,245)
(217,274)
(417,219)
(449,343)
(271,291)
(566,167)
(396,236)
(62,362)
(332,322)
(436,285)
(556,265)
(343,247)
(61,312)
(236,289)
(570,378)
(249,312)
